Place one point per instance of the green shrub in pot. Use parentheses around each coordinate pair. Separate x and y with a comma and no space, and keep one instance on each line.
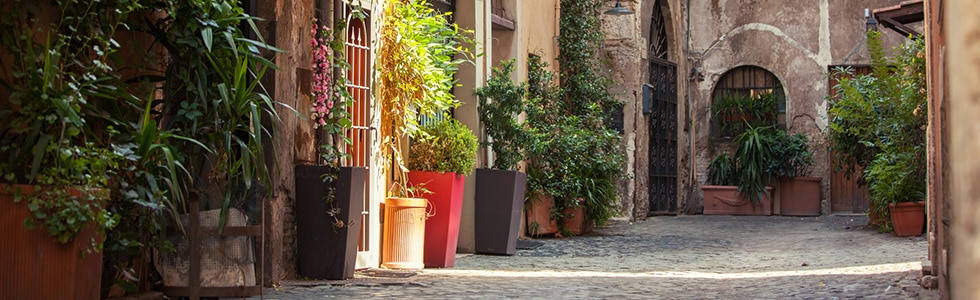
(443,145)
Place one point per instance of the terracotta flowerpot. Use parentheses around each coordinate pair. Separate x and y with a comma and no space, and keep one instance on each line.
(539,221)
(404,233)
(442,228)
(726,200)
(324,250)
(35,266)
(799,196)
(908,218)
(575,220)
(499,202)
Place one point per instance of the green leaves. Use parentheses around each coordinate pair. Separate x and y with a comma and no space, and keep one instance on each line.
(878,122)
(501,102)
(444,145)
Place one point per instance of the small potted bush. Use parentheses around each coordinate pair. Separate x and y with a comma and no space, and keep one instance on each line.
(500,188)
(442,154)
(792,163)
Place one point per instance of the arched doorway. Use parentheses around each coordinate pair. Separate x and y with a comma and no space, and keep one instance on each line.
(660,102)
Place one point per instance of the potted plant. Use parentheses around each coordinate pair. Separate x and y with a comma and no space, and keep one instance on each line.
(792,163)
(896,181)
(442,154)
(329,196)
(749,173)
(415,64)
(58,146)
(879,123)
(215,98)
(735,112)
(500,189)
(573,160)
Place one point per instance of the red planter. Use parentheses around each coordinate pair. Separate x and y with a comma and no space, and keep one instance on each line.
(799,196)
(726,200)
(442,229)
(908,218)
(35,266)
(539,221)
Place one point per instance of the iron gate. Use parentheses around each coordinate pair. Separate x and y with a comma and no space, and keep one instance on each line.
(663,137)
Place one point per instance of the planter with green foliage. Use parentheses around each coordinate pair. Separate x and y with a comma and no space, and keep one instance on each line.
(878,122)
(573,154)
(500,189)
(749,173)
(442,154)
(416,61)
(329,197)
(60,145)
(799,194)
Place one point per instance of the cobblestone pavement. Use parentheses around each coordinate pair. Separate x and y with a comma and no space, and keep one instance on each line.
(683,257)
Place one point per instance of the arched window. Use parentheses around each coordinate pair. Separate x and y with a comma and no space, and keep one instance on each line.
(747,95)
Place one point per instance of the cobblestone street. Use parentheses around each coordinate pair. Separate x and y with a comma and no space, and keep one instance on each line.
(683,257)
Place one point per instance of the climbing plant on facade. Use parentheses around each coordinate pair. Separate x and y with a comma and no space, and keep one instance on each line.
(575,157)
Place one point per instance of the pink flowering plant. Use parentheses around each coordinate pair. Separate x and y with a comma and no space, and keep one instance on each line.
(330,97)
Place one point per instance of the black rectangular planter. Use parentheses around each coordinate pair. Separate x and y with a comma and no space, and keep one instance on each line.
(323,250)
(499,203)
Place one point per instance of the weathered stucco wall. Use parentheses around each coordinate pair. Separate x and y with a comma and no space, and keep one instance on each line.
(963,49)
(797,42)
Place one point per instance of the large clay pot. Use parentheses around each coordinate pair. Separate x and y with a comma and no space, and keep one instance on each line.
(35,266)
(726,200)
(539,220)
(908,218)
(575,220)
(799,196)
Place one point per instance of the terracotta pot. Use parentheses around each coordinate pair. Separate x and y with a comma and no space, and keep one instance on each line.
(726,200)
(404,233)
(799,196)
(35,266)
(539,221)
(575,220)
(908,218)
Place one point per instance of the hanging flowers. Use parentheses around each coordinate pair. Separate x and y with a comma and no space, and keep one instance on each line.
(326,90)
(329,94)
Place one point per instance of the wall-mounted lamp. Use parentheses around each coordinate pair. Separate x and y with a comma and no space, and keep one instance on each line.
(619,10)
(870,23)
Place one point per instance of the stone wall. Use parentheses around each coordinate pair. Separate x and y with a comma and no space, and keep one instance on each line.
(286,27)
(796,41)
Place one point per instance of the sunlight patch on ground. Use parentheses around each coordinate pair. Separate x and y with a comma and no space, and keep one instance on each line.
(855,270)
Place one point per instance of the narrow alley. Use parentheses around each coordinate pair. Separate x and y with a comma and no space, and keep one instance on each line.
(683,257)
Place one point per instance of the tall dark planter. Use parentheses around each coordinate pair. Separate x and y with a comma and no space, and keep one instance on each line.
(325,251)
(499,203)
